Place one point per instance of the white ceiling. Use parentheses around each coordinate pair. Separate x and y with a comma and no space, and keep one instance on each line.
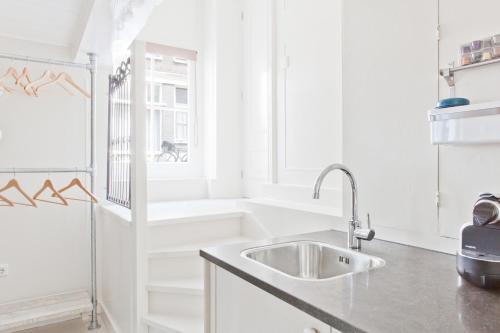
(55,22)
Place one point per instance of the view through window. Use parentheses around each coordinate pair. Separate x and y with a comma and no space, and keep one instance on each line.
(169,108)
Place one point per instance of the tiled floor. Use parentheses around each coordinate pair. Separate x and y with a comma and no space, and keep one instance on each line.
(72,326)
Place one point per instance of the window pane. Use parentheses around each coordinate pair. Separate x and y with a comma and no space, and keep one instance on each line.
(181,95)
(168,127)
(182,126)
(167,84)
(157,92)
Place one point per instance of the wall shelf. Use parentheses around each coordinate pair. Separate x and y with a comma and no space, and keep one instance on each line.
(449,73)
(468,124)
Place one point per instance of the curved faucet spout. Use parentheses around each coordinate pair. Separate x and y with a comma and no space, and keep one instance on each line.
(354,231)
(354,187)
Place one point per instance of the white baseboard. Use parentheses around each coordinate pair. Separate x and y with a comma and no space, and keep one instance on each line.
(111,325)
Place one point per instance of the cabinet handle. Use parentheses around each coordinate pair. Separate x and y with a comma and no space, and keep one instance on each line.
(310,330)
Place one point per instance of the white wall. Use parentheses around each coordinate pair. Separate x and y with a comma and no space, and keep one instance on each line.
(390,62)
(393,156)
(117,273)
(309,89)
(226,180)
(293,100)
(258,93)
(390,65)
(47,248)
(466,171)
(220,108)
(174,23)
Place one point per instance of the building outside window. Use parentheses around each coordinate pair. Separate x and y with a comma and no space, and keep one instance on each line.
(170,110)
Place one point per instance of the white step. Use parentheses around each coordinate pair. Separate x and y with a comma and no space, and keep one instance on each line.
(174,324)
(169,210)
(194,249)
(36,312)
(168,303)
(182,296)
(186,286)
(167,268)
(193,229)
(195,217)
(181,262)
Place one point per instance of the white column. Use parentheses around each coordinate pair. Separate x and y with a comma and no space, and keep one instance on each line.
(139,176)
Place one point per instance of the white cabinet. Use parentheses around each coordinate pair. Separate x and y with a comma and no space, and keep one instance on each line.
(238,306)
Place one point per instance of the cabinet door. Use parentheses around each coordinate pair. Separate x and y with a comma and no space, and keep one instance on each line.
(244,308)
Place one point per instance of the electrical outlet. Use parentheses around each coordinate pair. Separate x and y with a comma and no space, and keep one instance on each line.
(4,270)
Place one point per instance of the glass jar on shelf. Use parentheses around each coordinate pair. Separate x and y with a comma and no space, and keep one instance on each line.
(476,57)
(476,45)
(487,54)
(465,55)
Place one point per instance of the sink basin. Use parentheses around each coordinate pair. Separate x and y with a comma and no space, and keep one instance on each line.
(311,260)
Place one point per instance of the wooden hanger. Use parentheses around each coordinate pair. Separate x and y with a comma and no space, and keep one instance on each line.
(11,72)
(65,77)
(25,74)
(77,182)
(50,186)
(13,184)
(7,201)
(46,76)
(5,88)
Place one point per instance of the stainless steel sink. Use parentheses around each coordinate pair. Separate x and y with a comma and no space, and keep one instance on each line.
(311,260)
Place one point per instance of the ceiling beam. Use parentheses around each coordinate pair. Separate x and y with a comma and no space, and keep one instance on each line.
(82,27)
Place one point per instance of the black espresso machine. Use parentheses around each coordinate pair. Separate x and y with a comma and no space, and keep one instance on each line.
(478,260)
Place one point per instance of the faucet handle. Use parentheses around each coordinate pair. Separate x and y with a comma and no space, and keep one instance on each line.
(365,233)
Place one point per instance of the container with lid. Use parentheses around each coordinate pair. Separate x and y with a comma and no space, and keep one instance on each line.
(465,55)
(496,51)
(496,40)
(487,54)
(487,43)
(476,45)
(476,56)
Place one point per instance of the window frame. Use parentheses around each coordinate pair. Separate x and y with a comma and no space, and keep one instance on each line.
(181,105)
(160,105)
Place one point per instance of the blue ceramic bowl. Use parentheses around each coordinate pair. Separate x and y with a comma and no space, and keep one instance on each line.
(451,102)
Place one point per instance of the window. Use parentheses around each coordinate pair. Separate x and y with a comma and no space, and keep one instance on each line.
(168,90)
(182,126)
(181,96)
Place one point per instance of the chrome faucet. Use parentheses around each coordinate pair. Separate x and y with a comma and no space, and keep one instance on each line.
(355,233)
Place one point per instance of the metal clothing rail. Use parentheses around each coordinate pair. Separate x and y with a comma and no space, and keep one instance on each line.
(91,66)
(44,61)
(46,170)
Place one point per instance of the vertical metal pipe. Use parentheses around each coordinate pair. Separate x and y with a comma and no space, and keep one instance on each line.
(94,324)
(108,157)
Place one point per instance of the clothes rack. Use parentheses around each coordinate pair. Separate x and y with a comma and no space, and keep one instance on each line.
(91,66)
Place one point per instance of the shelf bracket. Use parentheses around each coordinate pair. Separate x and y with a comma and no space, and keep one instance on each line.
(449,76)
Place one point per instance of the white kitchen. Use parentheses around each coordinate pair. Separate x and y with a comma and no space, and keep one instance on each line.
(242,166)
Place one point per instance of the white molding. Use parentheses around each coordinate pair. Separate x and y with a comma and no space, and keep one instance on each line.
(139,182)
(107,318)
(82,27)
(315,209)
(41,311)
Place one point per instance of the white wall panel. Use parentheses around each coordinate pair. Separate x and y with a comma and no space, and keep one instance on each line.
(466,171)
(390,64)
(309,94)
(257,93)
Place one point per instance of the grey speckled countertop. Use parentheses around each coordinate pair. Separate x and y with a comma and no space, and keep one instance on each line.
(416,291)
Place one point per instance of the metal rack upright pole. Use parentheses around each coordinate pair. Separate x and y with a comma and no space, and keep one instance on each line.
(94,324)
(92,68)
